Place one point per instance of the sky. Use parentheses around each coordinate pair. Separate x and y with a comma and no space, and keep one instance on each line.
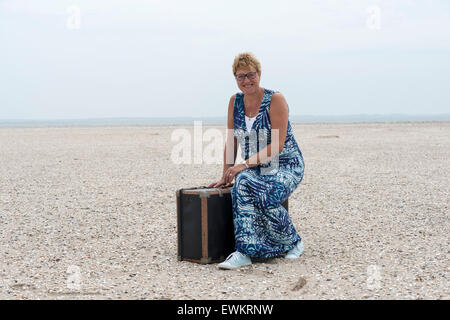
(133,58)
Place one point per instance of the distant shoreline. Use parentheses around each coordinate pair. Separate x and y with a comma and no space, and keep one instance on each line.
(183,121)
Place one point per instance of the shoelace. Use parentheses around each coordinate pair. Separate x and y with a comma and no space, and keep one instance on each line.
(232,256)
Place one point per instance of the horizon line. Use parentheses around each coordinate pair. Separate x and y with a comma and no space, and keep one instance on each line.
(224,117)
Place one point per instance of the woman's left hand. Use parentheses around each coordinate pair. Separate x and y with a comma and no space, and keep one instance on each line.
(232,172)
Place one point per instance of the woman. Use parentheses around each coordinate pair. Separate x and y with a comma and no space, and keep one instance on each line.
(272,170)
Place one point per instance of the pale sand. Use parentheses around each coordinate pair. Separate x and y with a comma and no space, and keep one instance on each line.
(372,210)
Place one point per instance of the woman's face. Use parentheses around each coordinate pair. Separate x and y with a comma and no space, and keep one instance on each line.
(248,84)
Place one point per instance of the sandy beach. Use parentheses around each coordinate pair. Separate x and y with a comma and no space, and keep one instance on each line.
(90,213)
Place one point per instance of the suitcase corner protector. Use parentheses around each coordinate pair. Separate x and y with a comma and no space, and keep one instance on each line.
(203,194)
(205,260)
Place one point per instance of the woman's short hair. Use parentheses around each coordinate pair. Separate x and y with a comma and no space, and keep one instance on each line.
(246,59)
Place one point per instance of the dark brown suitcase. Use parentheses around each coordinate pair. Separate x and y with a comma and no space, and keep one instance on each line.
(205,224)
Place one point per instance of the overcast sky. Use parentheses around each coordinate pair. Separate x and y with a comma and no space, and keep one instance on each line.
(130,58)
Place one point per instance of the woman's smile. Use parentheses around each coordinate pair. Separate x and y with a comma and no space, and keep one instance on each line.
(249,88)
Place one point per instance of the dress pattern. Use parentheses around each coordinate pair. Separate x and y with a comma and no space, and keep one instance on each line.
(262,226)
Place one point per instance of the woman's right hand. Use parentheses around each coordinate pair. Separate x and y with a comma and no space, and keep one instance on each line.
(217,184)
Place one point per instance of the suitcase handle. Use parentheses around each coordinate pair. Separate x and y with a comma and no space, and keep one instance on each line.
(221,187)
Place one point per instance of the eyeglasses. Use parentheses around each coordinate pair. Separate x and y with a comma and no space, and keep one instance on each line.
(250,76)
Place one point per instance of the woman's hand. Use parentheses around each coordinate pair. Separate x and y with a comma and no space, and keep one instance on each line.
(232,172)
(217,184)
(228,176)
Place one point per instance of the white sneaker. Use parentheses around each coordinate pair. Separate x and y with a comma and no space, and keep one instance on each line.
(235,260)
(296,251)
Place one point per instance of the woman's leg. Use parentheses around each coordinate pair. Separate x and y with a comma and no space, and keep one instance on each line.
(262,226)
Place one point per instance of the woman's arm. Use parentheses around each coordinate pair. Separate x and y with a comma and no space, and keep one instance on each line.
(231,145)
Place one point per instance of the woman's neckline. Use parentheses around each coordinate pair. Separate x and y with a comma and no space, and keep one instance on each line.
(260,105)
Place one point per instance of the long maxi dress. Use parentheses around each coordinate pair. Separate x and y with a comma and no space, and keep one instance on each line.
(262,226)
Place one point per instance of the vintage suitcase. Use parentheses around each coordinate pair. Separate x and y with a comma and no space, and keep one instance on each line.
(205,224)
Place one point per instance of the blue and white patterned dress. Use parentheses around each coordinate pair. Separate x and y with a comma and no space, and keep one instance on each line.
(262,226)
